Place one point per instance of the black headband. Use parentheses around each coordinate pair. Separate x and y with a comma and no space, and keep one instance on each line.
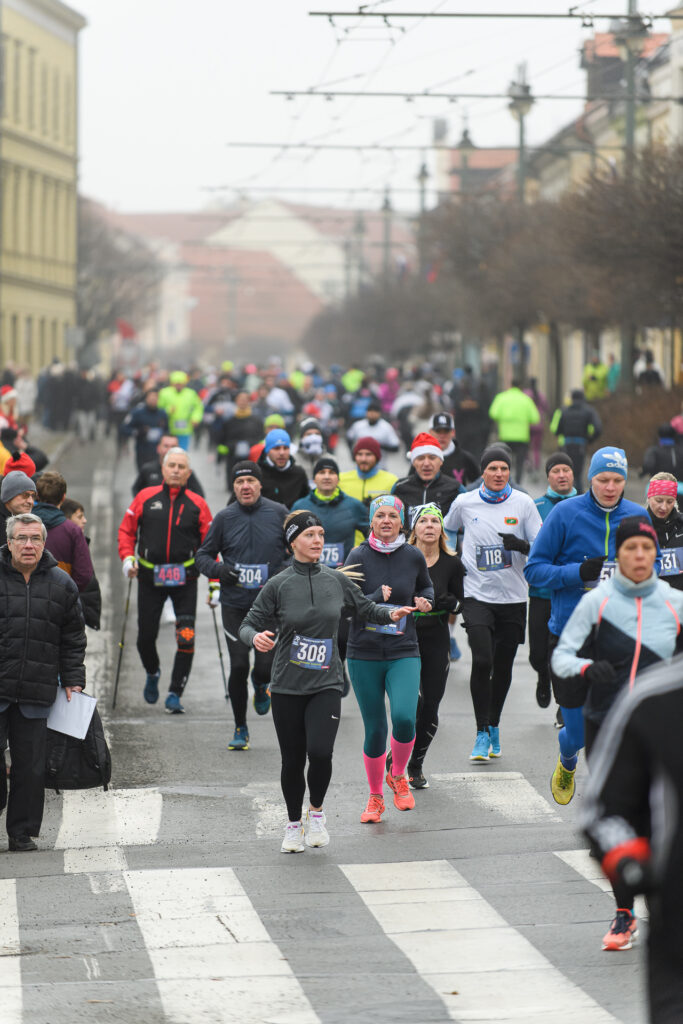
(304,520)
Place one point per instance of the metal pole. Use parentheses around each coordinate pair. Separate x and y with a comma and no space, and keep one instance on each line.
(521,165)
(220,653)
(122,642)
(628,331)
(386,238)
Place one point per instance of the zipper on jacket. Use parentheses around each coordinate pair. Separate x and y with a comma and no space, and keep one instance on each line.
(28,615)
(170,527)
(639,634)
(310,583)
(180,512)
(607,524)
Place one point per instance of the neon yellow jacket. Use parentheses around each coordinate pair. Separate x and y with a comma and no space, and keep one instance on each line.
(514,412)
(184,409)
(366,488)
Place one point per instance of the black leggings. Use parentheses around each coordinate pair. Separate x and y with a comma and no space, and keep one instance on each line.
(539,655)
(435,643)
(151,601)
(306,725)
(239,663)
(494,632)
(622,894)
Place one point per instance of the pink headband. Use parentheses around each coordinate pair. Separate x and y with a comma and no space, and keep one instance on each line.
(668,488)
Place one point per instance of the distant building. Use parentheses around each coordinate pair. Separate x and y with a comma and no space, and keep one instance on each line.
(38,174)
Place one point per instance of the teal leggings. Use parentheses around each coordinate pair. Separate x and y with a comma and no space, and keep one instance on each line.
(400,679)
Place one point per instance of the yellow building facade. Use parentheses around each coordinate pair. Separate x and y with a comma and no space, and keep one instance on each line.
(38,179)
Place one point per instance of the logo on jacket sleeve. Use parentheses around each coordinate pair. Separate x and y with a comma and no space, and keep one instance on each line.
(155,505)
(511,520)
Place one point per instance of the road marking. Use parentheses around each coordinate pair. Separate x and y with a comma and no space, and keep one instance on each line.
(10,950)
(209,949)
(90,860)
(266,803)
(119,817)
(509,794)
(587,866)
(480,967)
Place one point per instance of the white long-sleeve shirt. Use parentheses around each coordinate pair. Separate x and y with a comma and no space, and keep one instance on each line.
(494,575)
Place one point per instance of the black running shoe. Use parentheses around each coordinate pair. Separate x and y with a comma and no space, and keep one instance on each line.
(543,693)
(416,779)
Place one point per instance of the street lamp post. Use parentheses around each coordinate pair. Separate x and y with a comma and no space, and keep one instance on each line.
(386,238)
(422,179)
(521,102)
(465,147)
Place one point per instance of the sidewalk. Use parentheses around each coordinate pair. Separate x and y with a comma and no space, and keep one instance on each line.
(53,442)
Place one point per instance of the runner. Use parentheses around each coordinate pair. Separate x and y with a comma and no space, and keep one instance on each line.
(426,483)
(668,523)
(575,548)
(560,473)
(366,480)
(283,480)
(433,636)
(247,534)
(167,523)
(374,425)
(340,514)
(303,605)
(500,525)
(151,475)
(386,661)
(627,623)
(183,406)
(236,434)
(636,759)
(457,462)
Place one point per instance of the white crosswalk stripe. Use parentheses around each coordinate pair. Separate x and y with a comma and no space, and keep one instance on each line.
(209,949)
(10,963)
(582,862)
(119,817)
(508,794)
(481,967)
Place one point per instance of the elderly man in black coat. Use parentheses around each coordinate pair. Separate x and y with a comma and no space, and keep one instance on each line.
(43,647)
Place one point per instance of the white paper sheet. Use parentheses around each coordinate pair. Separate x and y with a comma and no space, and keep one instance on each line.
(71,717)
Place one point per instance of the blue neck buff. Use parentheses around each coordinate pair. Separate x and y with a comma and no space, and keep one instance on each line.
(370,473)
(494,497)
(667,442)
(553,494)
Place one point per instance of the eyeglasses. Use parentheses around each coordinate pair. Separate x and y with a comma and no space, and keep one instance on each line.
(22,541)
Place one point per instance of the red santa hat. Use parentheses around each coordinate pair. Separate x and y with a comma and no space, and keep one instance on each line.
(425,444)
(7,393)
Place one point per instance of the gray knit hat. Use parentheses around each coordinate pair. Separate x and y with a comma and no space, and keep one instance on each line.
(15,483)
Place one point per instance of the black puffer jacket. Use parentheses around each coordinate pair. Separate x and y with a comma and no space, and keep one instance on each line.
(283,485)
(670,536)
(413,491)
(42,633)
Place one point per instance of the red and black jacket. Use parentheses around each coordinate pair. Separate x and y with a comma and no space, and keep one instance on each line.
(168,525)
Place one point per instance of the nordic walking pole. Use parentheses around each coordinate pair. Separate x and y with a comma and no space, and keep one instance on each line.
(122,642)
(220,653)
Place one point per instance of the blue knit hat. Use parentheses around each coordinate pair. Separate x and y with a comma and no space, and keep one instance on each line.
(608,460)
(275,438)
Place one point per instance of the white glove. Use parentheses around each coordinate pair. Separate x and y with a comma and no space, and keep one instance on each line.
(214,596)
(128,564)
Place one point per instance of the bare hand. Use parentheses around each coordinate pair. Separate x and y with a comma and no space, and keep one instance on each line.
(398,613)
(422,604)
(72,689)
(386,592)
(264,642)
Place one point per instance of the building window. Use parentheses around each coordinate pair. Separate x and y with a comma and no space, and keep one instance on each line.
(53,345)
(42,356)
(43,98)
(14,338)
(16,82)
(69,133)
(55,104)
(31,90)
(4,50)
(28,341)
(30,219)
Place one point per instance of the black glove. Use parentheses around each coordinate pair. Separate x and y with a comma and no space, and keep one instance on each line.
(600,672)
(228,576)
(446,603)
(511,542)
(591,568)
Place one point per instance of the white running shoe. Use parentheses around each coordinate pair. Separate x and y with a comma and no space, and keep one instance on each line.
(168,613)
(294,838)
(314,828)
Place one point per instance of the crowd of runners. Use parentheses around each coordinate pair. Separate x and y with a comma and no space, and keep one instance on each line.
(330,580)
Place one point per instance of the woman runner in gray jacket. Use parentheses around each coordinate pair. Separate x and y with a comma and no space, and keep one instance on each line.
(304,604)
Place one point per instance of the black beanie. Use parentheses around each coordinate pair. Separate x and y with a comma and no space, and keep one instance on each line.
(326,462)
(635,526)
(245,468)
(495,453)
(301,520)
(558,459)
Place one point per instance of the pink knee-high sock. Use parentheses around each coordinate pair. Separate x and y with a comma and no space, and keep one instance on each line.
(400,755)
(374,769)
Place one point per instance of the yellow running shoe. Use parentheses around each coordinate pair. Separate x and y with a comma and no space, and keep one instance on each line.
(562,783)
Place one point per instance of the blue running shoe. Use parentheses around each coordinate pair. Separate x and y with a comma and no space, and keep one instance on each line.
(480,750)
(455,650)
(261,699)
(240,740)
(494,739)
(151,690)
(173,705)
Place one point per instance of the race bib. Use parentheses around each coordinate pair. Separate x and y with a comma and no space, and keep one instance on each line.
(492,557)
(606,573)
(252,577)
(671,561)
(169,575)
(180,424)
(333,554)
(242,449)
(390,628)
(154,434)
(306,652)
